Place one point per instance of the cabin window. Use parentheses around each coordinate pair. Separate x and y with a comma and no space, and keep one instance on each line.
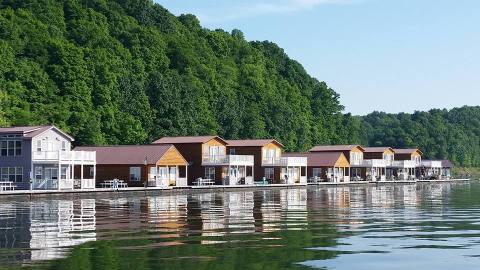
(356,158)
(210,173)
(64,146)
(135,174)
(317,172)
(4,148)
(63,172)
(11,174)
(38,173)
(303,171)
(39,145)
(11,148)
(232,151)
(269,173)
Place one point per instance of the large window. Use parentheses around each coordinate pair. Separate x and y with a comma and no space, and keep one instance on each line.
(11,174)
(11,148)
(269,173)
(134,173)
(317,172)
(210,173)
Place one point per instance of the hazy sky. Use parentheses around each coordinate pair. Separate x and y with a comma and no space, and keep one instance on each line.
(387,55)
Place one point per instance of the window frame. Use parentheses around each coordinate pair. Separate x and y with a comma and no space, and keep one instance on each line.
(132,172)
(269,172)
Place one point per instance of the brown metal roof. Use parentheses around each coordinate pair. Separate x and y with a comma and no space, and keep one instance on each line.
(32,131)
(408,151)
(187,139)
(377,149)
(253,142)
(319,159)
(334,148)
(127,154)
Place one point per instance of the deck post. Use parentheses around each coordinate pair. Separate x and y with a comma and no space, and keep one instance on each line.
(59,173)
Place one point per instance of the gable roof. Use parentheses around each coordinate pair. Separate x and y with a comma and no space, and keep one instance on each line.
(127,154)
(187,139)
(407,151)
(335,148)
(377,149)
(253,142)
(319,159)
(33,131)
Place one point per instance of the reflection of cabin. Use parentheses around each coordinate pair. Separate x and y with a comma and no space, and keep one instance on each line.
(353,153)
(270,161)
(160,165)
(208,159)
(326,166)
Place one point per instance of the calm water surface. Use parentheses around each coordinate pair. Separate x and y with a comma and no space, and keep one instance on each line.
(423,226)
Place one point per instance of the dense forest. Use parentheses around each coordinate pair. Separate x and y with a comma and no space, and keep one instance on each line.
(128,72)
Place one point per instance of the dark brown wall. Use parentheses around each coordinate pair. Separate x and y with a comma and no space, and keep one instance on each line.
(192,152)
(373,155)
(256,152)
(403,157)
(122,172)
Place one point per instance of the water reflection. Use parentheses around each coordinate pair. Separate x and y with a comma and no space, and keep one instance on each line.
(327,227)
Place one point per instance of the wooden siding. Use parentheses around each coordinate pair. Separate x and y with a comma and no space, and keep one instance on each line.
(122,172)
(172,158)
(357,149)
(342,162)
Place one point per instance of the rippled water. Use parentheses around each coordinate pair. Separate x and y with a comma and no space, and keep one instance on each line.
(422,226)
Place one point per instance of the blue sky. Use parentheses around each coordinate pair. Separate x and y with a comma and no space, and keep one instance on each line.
(386,55)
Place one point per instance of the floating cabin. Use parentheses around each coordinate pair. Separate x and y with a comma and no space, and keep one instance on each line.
(208,159)
(326,166)
(270,162)
(140,165)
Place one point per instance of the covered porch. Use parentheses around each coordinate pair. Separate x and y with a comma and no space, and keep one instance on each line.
(170,170)
(63,170)
(404,170)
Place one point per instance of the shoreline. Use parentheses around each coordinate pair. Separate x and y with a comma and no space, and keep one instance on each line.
(140,191)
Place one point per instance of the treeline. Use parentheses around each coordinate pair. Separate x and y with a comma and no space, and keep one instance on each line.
(453,134)
(129,72)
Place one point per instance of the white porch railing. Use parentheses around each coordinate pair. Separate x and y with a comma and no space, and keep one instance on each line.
(404,164)
(432,164)
(285,161)
(378,163)
(65,156)
(241,160)
(52,184)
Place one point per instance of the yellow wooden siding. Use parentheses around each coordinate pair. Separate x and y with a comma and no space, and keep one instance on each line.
(214,142)
(389,152)
(416,154)
(357,149)
(172,158)
(342,162)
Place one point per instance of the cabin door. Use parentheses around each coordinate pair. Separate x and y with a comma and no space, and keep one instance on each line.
(173,175)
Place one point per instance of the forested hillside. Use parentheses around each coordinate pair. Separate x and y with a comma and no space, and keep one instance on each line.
(128,72)
(453,134)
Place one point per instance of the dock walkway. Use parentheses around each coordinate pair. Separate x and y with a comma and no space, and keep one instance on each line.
(210,188)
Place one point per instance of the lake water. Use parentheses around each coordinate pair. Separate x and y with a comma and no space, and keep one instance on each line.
(419,226)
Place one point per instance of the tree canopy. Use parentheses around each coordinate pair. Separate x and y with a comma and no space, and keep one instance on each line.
(129,72)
